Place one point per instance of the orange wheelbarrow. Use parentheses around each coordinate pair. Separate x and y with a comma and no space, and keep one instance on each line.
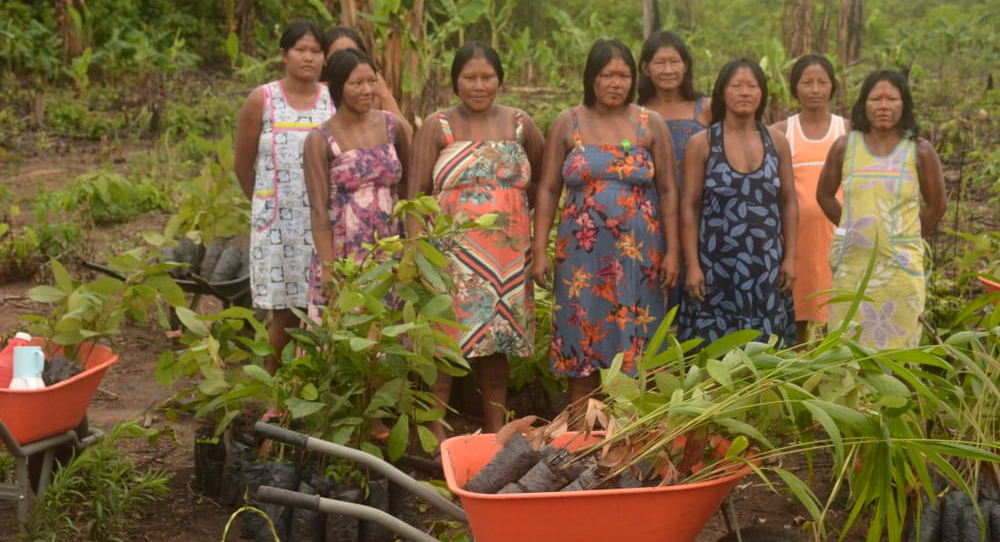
(40,421)
(671,513)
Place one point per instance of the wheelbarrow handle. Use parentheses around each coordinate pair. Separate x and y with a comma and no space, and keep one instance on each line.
(327,506)
(365,459)
(285,497)
(280,434)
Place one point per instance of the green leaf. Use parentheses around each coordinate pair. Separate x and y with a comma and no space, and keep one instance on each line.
(428,442)
(192,321)
(62,277)
(359,344)
(301,409)
(730,342)
(398,437)
(258,373)
(213,386)
(46,294)
(439,304)
(309,392)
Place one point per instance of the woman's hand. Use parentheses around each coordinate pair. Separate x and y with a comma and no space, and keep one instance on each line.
(670,270)
(696,283)
(541,270)
(786,275)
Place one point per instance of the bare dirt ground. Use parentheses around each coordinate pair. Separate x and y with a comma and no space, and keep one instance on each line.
(129,392)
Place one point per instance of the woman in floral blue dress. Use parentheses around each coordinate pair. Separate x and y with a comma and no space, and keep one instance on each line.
(617,247)
(739,217)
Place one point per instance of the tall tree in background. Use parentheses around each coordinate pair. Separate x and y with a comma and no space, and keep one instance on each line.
(650,17)
(850,29)
(823,33)
(72,42)
(797,27)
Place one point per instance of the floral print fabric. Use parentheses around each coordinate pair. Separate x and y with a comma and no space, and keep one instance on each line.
(280,239)
(363,184)
(880,221)
(610,243)
(494,298)
(740,251)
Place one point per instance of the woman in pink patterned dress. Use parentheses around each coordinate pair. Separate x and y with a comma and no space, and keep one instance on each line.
(480,157)
(354,167)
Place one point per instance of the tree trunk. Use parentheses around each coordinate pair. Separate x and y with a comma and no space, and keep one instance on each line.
(244,20)
(415,24)
(393,55)
(823,35)
(849,32)
(72,42)
(650,17)
(797,27)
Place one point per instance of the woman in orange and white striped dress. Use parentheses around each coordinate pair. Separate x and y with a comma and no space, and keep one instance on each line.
(811,133)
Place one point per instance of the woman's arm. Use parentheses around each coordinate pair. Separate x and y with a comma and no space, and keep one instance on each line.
(402,144)
(248,127)
(695,157)
(316,166)
(829,180)
(662,150)
(550,185)
(424,151)
(931,187)
(534,147)
(788,205)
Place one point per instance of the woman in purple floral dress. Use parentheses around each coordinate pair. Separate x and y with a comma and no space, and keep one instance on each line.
(354,167)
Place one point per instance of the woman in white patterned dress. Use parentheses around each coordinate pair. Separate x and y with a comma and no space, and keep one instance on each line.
(273,124)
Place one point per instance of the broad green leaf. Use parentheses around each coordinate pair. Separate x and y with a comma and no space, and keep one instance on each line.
(192,321)
(299,408)
(399,435)
(734,340)
(258,373)
(46,294)
(309,392)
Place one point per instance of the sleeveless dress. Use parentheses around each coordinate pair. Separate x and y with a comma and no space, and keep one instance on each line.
(610,243)
(280,239)
(681,131)
(815,230)
(881,215)
(363,184)
(494,297)
(740,251)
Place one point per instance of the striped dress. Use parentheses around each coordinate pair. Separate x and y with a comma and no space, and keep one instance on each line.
(280,239)
(494,298)
(815,230)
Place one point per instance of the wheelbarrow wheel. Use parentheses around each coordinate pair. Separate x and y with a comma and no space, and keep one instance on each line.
(763,533)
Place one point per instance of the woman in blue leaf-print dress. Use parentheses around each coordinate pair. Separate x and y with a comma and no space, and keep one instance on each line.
(739,217)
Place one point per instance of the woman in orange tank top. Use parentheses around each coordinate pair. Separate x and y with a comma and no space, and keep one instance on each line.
(810,134)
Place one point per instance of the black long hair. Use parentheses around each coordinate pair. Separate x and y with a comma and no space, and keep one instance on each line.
(339,68)
(601,53)
(663,39)
(907,123)
(299,28)
(469,51)
(725,75)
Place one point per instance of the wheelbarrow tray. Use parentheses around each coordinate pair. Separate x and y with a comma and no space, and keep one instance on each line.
(675,513)
(32,415)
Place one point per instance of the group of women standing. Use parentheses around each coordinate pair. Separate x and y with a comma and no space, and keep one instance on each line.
(677,200)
